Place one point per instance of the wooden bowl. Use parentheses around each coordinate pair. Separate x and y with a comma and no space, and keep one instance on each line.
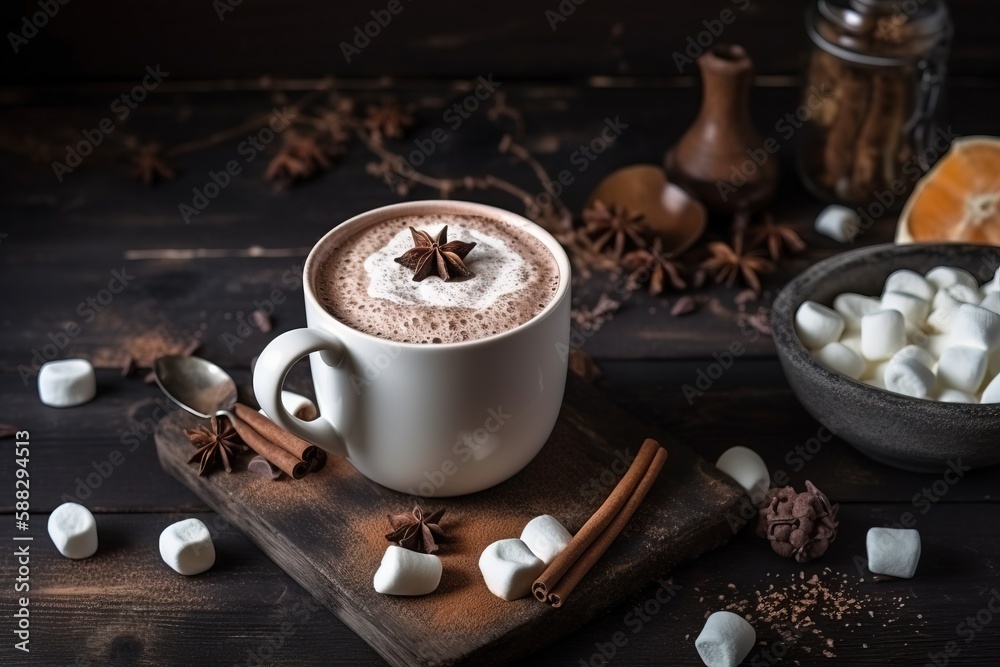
(669,213)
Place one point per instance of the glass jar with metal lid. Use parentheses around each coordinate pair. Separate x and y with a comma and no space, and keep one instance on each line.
(872,97)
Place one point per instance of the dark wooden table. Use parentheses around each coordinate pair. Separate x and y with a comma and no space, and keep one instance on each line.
(62,241)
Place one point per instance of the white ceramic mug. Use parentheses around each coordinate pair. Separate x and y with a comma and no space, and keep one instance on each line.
(426,419)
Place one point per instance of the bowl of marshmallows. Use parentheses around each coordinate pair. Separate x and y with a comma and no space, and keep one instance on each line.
(896,349)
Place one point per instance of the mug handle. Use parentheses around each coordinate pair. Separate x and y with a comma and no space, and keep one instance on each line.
(269,374)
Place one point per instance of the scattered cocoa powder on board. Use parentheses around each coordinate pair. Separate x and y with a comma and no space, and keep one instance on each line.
(799,612)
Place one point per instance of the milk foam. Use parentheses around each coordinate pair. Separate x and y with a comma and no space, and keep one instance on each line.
(358,282)
(498,270)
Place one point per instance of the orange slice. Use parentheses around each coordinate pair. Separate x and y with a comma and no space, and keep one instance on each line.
(959,199)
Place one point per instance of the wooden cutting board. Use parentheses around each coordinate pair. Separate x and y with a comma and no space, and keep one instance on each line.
(327,531)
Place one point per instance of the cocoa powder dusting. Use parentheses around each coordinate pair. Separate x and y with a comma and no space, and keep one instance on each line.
(462,603)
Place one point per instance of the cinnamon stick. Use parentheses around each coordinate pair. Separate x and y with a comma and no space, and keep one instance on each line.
(288,462)
(596,550)
(267,428)
(598,522)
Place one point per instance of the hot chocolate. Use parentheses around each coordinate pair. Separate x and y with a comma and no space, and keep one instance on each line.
(358,282)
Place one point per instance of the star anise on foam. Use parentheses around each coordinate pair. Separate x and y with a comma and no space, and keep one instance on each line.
(436,255)
(416,531)
(216,444)
(776,236)
(654,266)
(728,262)
(602,224)
(148,165)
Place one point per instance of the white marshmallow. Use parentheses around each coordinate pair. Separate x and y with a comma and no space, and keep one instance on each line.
(913,308)
(916,353)
(993,364)
(73,530)
(955,396)
(936,344)
(883,334)
(874,373)
(509,568)
(726,640)
(853,341)
(817,325)
(406,572)
(909,377)
(962,368)
(991,302)
(965,294)
(852,307)
(909,282)
(943,312)
(293,403)
(66,382)
(893,551)
(545,537)
(839,223)
(992,392)
(187,547)
(975,327)
(916,336)
(942,277)
(748,470)
(840,358)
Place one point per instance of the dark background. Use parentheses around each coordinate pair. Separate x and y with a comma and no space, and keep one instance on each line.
(114,40)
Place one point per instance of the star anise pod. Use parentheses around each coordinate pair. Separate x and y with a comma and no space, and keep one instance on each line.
(603,224)
(776,236)
(387,120)
(216,444)
(659,267)
(436,255)
(416,531)
(299,157)
(148,165)
(799,525)
(727,262)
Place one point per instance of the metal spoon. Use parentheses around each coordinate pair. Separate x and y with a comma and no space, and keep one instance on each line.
(201,388)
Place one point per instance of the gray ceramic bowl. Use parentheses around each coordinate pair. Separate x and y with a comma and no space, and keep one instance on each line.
(908,433)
